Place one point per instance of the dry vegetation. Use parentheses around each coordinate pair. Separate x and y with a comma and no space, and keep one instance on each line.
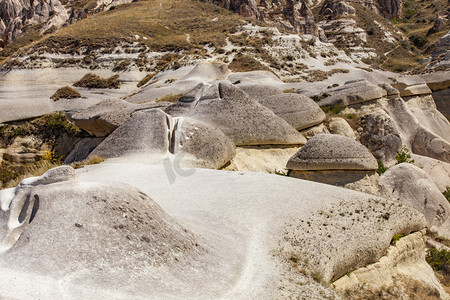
(165,23)
(66,92)
(91,80)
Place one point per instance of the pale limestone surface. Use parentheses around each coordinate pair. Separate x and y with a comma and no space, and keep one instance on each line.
(245,227)
(241,118)
(338,125)
(402,265)
(332,152)
(411,186)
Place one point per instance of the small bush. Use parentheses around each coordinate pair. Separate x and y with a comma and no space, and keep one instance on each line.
(446,193)
(396,238)
(418,41)
(66,92)
(403,156)
(439,260)
(381,168)
(91,80)
(245,63)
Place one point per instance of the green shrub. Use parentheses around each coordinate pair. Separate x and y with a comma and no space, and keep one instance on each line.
(381,168)
(439,260)
(396,238)
(447,193)
(417,40)
(403,156)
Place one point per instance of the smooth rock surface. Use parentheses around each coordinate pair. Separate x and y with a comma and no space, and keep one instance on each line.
(299,111)
(332,152)
(411,186)
(241,118)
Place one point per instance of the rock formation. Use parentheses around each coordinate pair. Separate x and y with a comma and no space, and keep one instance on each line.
(411,186)
(332,158)
(16,15)
(241,118)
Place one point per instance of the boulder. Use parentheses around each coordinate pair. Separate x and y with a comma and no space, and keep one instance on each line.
(241,118)
(103,118)
(352,92)
(260,91)
(393,272)
(145,132)
(437,81)
(205,145)
(411,186)
(332,159)
(391,8)
(82,149)
(439,24)
(151,135)
(332,152)
(299,111)
(338,125)
(380,135)
(437,170)
(87,227)
(415,90)
(422,128)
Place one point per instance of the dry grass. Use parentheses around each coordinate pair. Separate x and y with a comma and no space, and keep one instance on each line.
(169,98)
(91,80)
(94,160)
(11,175)
(146,79)
(66,92)
(165,23)
(245,63)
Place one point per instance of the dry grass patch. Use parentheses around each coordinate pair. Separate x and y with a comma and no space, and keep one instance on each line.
(146,79)
(169,98)
(66,92)
(91,80)
(245,63)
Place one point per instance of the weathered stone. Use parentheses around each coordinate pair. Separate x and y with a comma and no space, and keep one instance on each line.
(340,126)
(411,186)
(145,132)
(353,92)
(241,118)
(380,135)
(103,118)
(332,152)
(299,111)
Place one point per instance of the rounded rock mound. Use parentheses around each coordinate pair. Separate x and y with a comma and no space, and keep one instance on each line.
(332,152)
(57,226)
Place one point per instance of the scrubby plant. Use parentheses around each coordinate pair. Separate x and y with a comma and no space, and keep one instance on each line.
(404,156)
(446,193)
(396,238)
(91,80)
(281,172)
(439,260)
(66,92)
(381,168)
(146,79)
